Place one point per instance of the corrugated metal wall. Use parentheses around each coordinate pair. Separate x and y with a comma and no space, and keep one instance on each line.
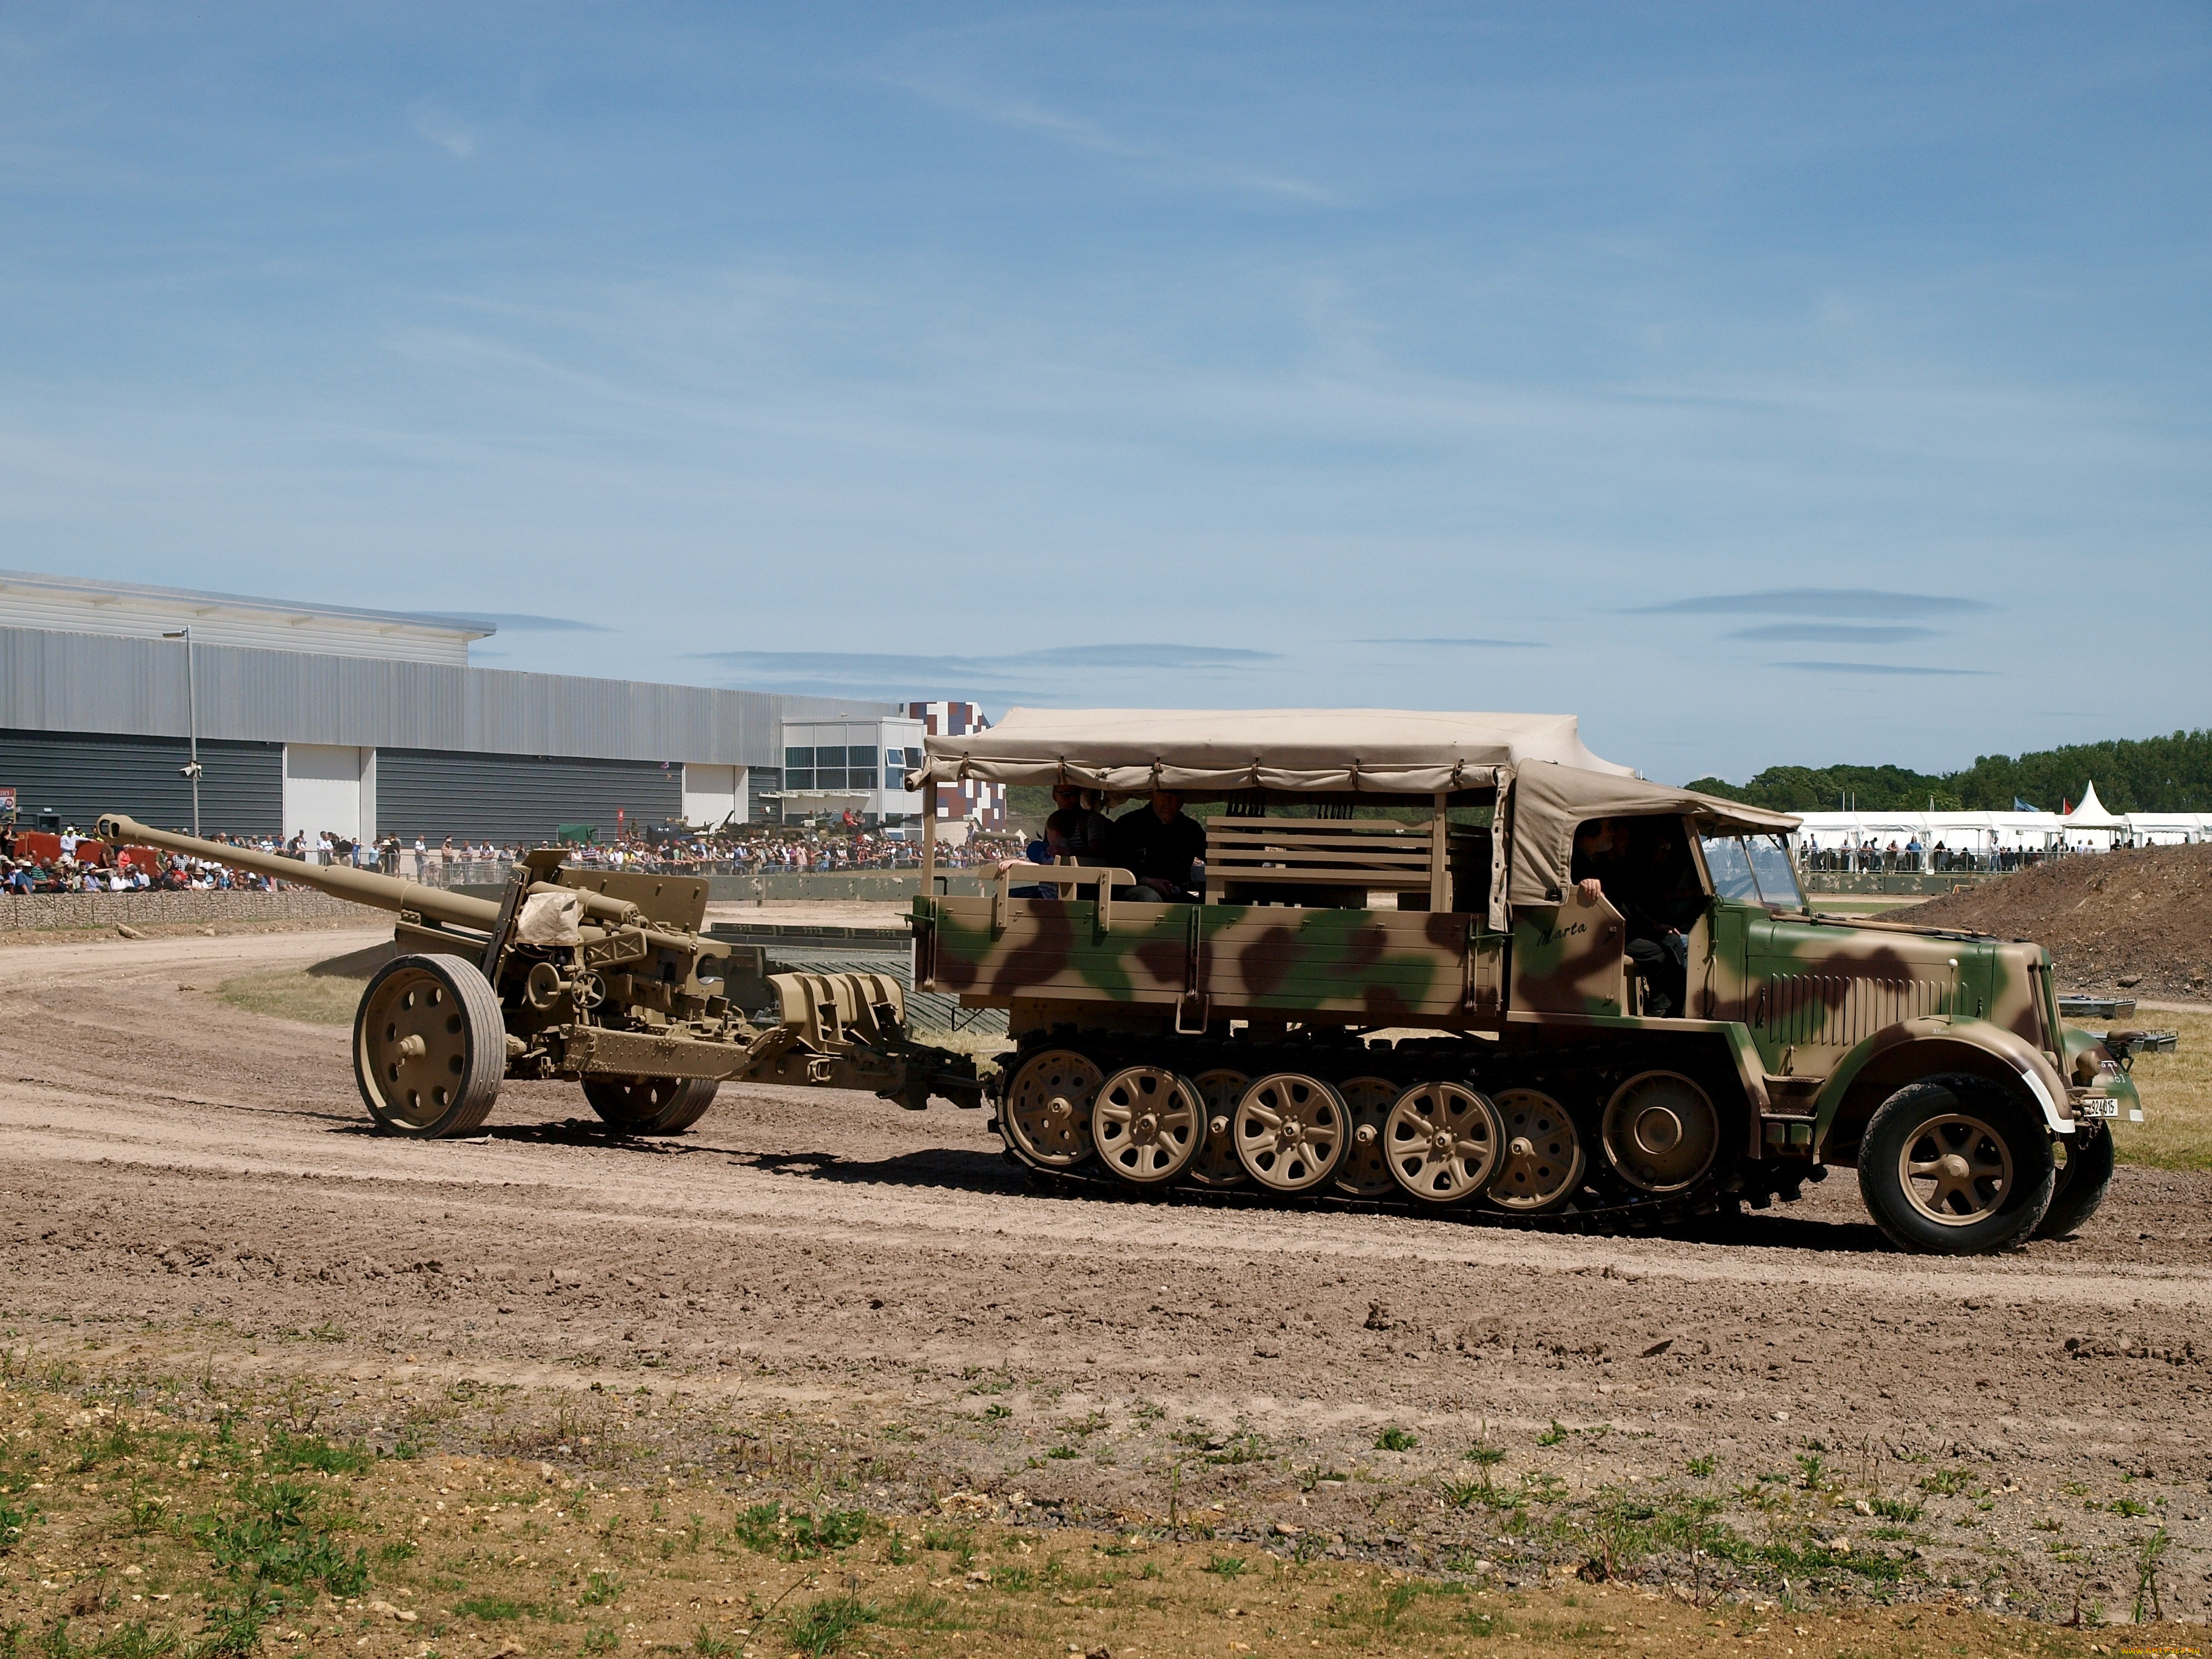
(84,775)
(60,605)
(79,683)
(517,798)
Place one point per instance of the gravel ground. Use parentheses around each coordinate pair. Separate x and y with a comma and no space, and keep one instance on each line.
(811,1275)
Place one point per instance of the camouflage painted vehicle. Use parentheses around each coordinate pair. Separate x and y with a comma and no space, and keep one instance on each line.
(1430,1010)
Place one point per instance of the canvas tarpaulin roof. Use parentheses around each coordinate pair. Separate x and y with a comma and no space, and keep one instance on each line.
(1550,800)
(1380,751)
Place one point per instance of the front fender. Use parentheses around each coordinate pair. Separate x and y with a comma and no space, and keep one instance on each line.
(1896,1055)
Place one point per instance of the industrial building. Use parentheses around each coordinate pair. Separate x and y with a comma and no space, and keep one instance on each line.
(313,717)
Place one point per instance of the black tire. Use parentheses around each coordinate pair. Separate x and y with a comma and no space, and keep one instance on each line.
(2082,1179)
(1981,1149)
(650,1105)
(429,1047)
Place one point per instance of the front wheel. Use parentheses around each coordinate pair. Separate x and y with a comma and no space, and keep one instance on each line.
(1955,1166)
(2082,1179)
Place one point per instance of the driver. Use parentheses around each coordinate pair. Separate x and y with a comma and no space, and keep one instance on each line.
(1644,872)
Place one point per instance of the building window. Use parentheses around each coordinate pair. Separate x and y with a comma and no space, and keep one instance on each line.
(799,768)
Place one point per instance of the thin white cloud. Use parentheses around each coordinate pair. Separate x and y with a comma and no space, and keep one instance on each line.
(442,129)
(1023,115)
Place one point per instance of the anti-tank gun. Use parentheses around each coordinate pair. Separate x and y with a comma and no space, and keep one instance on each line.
(600,976)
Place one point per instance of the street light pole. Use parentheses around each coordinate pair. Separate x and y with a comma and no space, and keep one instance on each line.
(191,769)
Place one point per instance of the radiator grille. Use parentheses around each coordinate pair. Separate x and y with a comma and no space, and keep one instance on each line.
(1837,1010)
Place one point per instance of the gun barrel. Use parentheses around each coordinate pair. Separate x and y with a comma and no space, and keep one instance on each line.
(358,886)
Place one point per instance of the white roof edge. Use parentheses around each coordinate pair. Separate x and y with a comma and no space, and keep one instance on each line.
(473,628)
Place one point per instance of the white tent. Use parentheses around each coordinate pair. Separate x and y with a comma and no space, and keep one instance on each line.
(2089,827)
(2166,829)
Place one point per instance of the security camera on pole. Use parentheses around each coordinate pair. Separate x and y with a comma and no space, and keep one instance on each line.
(190,770)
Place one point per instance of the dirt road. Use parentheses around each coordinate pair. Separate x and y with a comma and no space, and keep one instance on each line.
(822,1269)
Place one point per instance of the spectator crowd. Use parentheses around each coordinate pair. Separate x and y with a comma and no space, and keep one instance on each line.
(71,862)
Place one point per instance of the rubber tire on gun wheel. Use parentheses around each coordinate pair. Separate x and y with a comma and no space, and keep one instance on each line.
(650,1105)
(2080,1188)
(1979,1121)
(429,1047)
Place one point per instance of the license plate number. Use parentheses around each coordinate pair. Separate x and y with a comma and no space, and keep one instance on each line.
(2099,1108)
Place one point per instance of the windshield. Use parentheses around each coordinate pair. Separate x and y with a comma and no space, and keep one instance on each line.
(1755,868)
(1731,868)
(1778,880)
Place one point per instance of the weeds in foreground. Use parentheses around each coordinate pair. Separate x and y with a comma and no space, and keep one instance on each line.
(826,1625)
(799,1535)
(2149,1554)
(271,1537)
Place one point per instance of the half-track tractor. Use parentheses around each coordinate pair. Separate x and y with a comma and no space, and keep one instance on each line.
(1442,964)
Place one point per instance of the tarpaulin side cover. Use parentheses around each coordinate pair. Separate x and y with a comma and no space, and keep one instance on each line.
(1549,800)
(1130,751)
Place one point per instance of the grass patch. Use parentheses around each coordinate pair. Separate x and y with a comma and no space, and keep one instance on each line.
(831,1624)
(1395,1439)
(294,994)
(496,1609)
(799,1535)
(509,1556)
(2176,1132)
(288,1453)
(271,1536)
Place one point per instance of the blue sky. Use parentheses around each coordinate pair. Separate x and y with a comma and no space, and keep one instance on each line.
(1762,384)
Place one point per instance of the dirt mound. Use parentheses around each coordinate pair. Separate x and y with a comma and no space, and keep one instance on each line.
(2138,921)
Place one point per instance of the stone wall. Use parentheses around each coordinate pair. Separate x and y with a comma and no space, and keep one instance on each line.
(38,910)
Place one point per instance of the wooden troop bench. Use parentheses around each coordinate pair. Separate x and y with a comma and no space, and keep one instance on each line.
(1336,863)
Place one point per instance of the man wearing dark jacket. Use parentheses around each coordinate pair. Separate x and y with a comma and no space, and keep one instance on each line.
(1159,846)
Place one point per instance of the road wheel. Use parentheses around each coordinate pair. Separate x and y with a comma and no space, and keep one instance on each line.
(1443,1142)
(1215,1163)
(1364,1171)
(1146,1123)
(650,1105)
(1662,1133)
(1543,1162)
(429,1047)
(1291,1131)
(2080,1186)
(1955,1166)
(1046,1110)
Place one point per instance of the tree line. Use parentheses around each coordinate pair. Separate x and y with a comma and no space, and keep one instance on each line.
(2148,775)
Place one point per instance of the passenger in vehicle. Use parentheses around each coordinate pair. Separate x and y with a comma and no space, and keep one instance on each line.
(1163,849)
(1076,830)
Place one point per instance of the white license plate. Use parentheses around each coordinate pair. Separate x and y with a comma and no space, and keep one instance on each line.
(2099,1108)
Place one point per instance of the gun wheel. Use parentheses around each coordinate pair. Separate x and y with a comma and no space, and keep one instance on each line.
(1543,1158)
(1048,1107)
(1291,1132)
(1364,1170)
(650,1105)
(1146,1123)
(1215,1163)
(429,1047)
(1442,1142)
